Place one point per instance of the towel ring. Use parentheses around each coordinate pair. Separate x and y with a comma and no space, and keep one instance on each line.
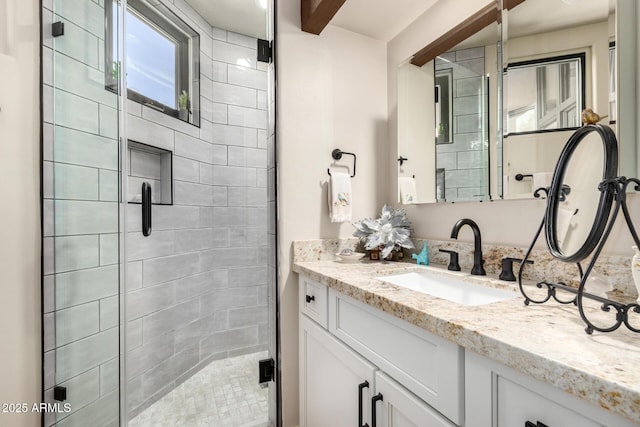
(337,155)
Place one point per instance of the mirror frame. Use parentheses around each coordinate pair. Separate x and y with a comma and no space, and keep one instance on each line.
(557,193)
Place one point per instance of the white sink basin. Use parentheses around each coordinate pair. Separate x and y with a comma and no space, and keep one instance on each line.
(449,287)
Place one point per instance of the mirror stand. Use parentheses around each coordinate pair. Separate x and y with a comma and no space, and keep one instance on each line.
(618,187)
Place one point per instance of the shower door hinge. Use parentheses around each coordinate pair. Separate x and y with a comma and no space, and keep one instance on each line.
(265,51)
(267,370)
(60,393)
(57,29)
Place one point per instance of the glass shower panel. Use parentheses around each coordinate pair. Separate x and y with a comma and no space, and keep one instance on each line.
(200,292)
(81,218)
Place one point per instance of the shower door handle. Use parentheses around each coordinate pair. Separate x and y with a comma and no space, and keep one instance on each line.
(146,209)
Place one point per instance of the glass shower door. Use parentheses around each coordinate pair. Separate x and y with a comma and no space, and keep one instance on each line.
(199,240)
(80,219)
(159,278)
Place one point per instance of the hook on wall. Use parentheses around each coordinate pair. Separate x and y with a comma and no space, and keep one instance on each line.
(337,155)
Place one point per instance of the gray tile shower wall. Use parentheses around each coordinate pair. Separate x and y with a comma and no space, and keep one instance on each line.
(197,287)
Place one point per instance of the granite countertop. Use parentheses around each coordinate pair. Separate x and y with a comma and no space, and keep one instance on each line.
(545,341)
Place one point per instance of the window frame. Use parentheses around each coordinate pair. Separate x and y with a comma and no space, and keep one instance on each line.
(187,67)
(613,76)
(444,105)
(582,89)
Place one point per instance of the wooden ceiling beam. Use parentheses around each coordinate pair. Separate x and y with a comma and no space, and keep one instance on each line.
(510,4)
(476,22)
(316,14)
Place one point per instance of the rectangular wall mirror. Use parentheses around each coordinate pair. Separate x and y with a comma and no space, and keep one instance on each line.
(500,136)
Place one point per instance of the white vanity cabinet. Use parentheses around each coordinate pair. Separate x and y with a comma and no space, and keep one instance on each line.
(366,353)
(420,379)
(498,396)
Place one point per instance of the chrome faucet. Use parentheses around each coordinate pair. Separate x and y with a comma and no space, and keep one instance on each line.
(478,268)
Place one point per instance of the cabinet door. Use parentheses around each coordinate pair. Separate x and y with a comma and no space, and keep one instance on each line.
(330,375)
(498,396)
(401,408)
(518,405)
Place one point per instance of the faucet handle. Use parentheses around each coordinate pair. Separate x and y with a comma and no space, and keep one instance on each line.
(453,260)
(507,268)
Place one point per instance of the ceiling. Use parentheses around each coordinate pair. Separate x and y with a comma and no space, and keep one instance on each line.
(540,16)
(248,17)
(390,17)
(381,19)
(382,22)
(384,19)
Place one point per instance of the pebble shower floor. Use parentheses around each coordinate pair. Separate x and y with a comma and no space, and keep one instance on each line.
(226,393)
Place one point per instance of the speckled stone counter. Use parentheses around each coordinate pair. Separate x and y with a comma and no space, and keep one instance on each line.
(546,341)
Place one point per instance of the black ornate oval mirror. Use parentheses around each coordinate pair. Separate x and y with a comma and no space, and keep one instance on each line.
(577,211)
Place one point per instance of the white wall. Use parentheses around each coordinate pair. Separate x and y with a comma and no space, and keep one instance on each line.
(511,222)
(20,351)
(331,94)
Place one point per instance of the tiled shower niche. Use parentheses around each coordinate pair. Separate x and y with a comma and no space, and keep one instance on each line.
(154,166)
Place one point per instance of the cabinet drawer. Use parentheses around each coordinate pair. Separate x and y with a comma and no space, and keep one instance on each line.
(429,366)
(313,300)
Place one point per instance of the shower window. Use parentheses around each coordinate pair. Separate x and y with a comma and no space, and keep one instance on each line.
(546,94)
(161,62)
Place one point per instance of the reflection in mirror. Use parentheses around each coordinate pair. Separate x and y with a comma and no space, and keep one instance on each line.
(613,69)
(577,211)
(447,122)
(444,104)
(555,54)
(545,94)
(523,161)
(462,152)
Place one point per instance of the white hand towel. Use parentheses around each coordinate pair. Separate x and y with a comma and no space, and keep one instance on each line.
(340,197)
(408,192)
